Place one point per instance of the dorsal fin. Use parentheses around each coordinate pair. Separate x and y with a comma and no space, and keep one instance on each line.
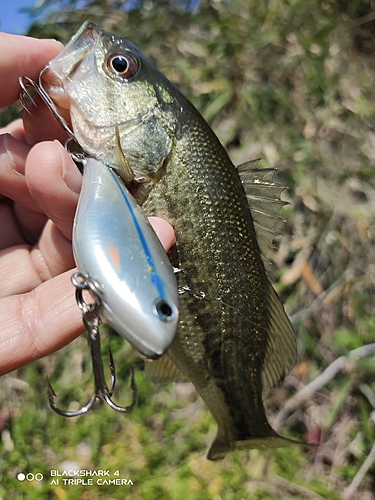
(263,195)
(162,371)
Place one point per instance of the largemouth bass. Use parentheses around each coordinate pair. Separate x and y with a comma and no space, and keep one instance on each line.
(234,340)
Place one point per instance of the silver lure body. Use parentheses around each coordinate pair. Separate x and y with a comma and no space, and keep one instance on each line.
(115,245)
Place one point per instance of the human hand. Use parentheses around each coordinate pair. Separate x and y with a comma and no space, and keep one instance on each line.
(39,190)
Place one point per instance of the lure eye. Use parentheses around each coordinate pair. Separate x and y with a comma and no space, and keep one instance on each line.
(123,64)
(163,310)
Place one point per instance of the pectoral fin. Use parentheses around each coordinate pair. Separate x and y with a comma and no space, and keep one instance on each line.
(123,168)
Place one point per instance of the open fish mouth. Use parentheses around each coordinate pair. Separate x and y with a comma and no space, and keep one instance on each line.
(64,66)
(76,50)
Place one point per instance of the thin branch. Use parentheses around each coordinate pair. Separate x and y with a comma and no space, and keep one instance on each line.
(353,486)
(296,488)
(329,373)
(282,488)
(318,301)
(367,18)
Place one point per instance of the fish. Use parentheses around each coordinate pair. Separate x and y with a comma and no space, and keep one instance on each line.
(115,245)
(234,340)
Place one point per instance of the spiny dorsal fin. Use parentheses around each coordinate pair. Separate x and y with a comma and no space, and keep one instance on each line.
(263,195)
(162,371)
(281,352)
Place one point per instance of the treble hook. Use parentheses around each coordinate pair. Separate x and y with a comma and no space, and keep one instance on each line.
(25,83)
(90,316)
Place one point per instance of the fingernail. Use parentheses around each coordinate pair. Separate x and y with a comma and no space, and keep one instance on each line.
(16,151)
(71,175)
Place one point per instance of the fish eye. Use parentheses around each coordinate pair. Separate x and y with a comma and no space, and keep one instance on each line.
(163,310)
(122,64)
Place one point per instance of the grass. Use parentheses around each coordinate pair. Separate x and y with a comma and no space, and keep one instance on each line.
(292,82)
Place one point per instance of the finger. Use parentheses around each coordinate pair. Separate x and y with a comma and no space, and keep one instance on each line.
(15,129)
(22,56)
(164,232)
(24,267)
(25,217)
(18,274)
(41,125)
(54,182)
(10,233)
(13,154)
(38,323)
(13,184)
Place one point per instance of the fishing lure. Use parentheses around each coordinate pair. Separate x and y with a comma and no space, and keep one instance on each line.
(115,245)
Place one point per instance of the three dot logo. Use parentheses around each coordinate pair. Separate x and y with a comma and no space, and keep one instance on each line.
(30,476)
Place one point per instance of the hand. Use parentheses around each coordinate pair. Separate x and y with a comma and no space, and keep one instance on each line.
(39,190)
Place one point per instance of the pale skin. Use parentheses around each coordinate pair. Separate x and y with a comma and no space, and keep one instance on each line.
(39,190)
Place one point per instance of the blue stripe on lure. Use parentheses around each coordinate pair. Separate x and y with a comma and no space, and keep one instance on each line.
(114,244)
(155,277)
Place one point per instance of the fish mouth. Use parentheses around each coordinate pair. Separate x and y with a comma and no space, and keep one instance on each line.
(76,50)
(63,66)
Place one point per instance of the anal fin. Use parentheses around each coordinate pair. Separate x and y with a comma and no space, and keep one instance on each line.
(162,371)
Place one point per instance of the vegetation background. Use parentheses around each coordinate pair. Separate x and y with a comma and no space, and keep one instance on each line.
(292,82)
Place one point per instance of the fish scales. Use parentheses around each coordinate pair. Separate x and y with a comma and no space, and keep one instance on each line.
(234,340)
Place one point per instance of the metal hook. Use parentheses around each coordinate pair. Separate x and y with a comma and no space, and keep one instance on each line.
(25,83)
(90,316)
(76,156)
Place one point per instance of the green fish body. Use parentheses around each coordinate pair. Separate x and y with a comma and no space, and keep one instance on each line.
(234,340)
